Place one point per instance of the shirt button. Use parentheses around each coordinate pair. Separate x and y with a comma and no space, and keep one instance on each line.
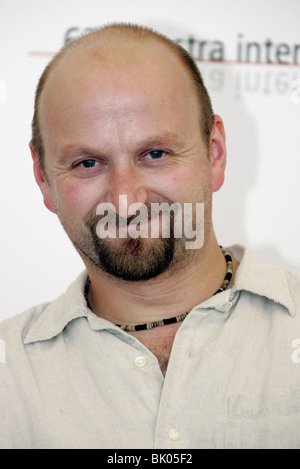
(140,361)
(173,434)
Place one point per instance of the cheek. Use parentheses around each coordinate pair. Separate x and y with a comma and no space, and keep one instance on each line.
(76,200)
(172,188)
(190,186)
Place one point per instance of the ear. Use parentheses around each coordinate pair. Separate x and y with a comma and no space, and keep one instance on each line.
(41,180)
(218,152)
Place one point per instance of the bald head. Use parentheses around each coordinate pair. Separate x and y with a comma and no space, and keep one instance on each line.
(117,47)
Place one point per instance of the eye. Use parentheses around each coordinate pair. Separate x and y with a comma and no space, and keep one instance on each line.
(89,167)
(155,154)
(88,164)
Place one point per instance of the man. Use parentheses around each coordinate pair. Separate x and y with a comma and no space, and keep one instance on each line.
(158,344)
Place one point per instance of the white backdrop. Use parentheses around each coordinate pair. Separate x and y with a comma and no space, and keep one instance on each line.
(259,102)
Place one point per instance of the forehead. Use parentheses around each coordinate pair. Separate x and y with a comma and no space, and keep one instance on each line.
(120,62)
(117,79)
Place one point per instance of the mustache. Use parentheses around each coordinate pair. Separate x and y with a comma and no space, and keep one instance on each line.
(115,219)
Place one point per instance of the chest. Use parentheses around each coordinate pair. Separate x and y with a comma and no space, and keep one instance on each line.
(160,342)
(162,351)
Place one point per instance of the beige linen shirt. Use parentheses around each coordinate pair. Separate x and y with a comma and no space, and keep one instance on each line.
(69,379)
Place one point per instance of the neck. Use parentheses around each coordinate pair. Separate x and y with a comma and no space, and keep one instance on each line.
(124,302)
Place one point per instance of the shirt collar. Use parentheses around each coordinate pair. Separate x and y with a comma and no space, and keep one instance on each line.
(252,275)
(256,277)
(261,278)
(57,314)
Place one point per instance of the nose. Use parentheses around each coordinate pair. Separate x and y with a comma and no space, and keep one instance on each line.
(127,190)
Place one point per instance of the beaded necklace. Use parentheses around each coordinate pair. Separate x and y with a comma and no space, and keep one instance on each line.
(175,319)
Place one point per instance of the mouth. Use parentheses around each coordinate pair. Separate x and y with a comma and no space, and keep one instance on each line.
(153,221)
(136,226)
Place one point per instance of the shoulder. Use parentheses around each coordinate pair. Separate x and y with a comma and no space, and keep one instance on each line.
(43,320)
(15,328)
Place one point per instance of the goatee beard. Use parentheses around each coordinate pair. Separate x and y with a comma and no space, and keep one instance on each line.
(132,259)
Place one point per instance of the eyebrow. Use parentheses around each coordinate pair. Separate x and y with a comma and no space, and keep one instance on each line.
(163,139)
(75,150)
